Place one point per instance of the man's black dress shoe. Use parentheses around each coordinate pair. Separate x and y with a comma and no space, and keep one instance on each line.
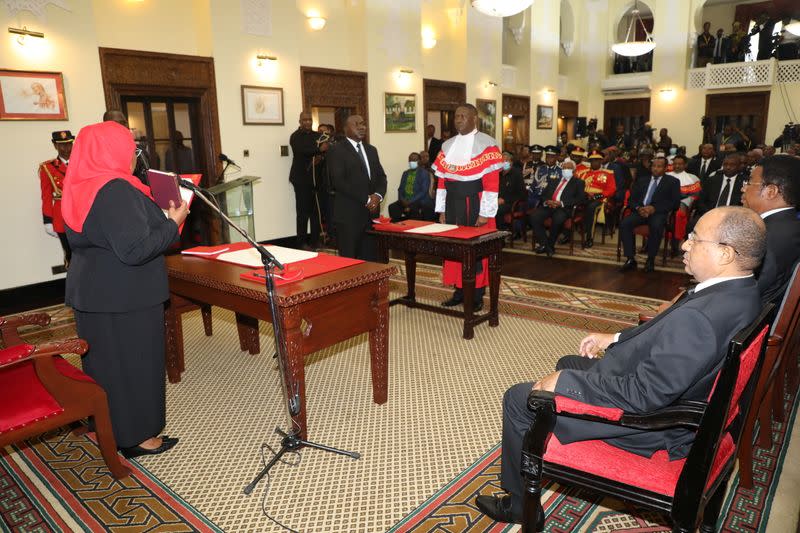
(499,509)
(540,249)
(550,251)
(650,265)
(167,443)
(589,243)
(630,264)
(452,302)
(564,239)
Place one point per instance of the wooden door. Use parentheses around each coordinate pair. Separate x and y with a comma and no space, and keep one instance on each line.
(567,114)
(516,122)
(442,97)
(632,112)
(747,111)
(344,91)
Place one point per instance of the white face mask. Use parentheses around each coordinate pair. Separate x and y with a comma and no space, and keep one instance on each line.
(412,165)
(673,151)
(566,173)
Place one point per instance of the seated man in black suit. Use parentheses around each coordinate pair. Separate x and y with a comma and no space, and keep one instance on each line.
(652,199)
(558,199)
(704,163)
(721,187)
(512,189)
(772,192)
(649,367)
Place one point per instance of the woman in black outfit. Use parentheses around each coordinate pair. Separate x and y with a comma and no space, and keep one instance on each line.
(117,282)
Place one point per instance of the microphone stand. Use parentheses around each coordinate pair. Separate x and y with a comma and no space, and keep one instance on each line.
(289,441)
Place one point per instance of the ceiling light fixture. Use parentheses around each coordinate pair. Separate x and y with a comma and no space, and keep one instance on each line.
(501,8)
(630,48)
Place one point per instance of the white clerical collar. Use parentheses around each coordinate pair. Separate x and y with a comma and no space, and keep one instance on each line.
(460,152)
(765,214)
(713,281)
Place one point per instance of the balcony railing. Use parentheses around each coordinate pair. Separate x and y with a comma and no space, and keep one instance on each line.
(744,74)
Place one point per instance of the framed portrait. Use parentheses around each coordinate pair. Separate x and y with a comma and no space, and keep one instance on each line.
(262,105)
(544,117)
(30,95)
(487,116)
(400,112)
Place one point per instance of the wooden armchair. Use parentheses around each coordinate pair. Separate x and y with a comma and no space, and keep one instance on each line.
(644,232)
(575,221)
(40,391)
(687,489)
(9,326)
(517,219)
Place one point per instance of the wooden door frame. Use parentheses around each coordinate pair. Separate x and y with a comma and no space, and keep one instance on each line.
(607,116)
(456,95)
(336,94)
(764,95)
(503,113)
(139,73)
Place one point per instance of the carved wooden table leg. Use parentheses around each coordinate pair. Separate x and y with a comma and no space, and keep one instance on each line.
(411,275)
(379,344)
(468,289)
(173,340)
(205,311)
(495,260)
(294,371)
(382,249)
(247,328)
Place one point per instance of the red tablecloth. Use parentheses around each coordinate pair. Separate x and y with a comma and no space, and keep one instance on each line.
(308,268)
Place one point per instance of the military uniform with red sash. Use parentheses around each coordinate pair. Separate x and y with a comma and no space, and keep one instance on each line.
(51,181)
(599,185)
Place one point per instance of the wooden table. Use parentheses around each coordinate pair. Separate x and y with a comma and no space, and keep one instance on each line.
(316,313)
(466,251)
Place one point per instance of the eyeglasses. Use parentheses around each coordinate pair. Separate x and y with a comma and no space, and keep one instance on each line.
(692,237)
(747,182)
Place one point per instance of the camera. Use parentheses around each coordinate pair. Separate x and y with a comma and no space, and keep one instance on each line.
(790,135)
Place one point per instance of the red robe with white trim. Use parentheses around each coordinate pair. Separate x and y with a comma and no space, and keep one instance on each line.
(477,181)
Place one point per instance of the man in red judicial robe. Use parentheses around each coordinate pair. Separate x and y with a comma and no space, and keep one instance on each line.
(468,167)
(51,180)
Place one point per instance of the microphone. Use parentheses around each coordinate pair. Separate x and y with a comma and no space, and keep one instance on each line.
(187,184)
(225,159)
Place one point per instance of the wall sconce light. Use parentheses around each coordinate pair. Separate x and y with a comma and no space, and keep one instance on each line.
(510,115)
(491,83)
(428,38)
(404,75)
(316,22)
(261,59)
(667,94)
(25,32)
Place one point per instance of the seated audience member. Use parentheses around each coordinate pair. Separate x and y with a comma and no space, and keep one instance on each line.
(772,192)
(550,171)
(622,173)
(752,159)
(530,167)
(664,140)
(690,191)
(621,139)
(648,367)
(558,199)
(578,156)
(705,163)
(413,198)
(563,139)
(599,186)
(723,187)
(512,189)
(769,151)
(652,199)
(641,165)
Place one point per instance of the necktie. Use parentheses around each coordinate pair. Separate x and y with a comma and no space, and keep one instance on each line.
(361,158)
(559,189)
(650,190)
(704,168)
(723,196)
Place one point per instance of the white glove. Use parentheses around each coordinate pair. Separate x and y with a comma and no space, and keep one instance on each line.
(48,228)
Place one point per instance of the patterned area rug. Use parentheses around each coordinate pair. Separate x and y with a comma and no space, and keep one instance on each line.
(601,253)
(572,509)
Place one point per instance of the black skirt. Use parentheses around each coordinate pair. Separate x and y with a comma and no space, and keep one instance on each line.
(126,357)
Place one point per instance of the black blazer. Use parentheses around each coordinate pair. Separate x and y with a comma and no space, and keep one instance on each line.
(512,186)
(674,356)
(304,148)
(711,189)
(118,259)
(783,251)
(694,165)
(665,198)
(434,148)
(571,195)
(352,184)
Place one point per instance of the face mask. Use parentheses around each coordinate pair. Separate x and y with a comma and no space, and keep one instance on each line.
(566,173)
(506,165)
(412,165)
(673,151)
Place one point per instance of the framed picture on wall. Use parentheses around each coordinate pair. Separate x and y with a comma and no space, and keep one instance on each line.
(544,117)
(30,95)
(400,112)
(487,116)
(262,105)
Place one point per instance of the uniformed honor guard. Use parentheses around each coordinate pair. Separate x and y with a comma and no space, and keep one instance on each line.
(547,172)
(578,155)
(51,178)
(599,185)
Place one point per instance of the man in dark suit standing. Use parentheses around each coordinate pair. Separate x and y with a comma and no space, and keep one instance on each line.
(723,187)
(432,144)
(558,199)
(652,199)
(705,163)
(359,182)
(675,356)
(772,192)
(303,175)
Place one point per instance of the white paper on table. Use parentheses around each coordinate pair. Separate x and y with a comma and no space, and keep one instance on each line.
(432,228)
(251,258)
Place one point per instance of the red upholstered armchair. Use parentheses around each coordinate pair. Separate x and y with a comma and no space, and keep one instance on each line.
(686,489)
(517,220)
(40,391)
(644,232)
(10,324)
(575,221)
